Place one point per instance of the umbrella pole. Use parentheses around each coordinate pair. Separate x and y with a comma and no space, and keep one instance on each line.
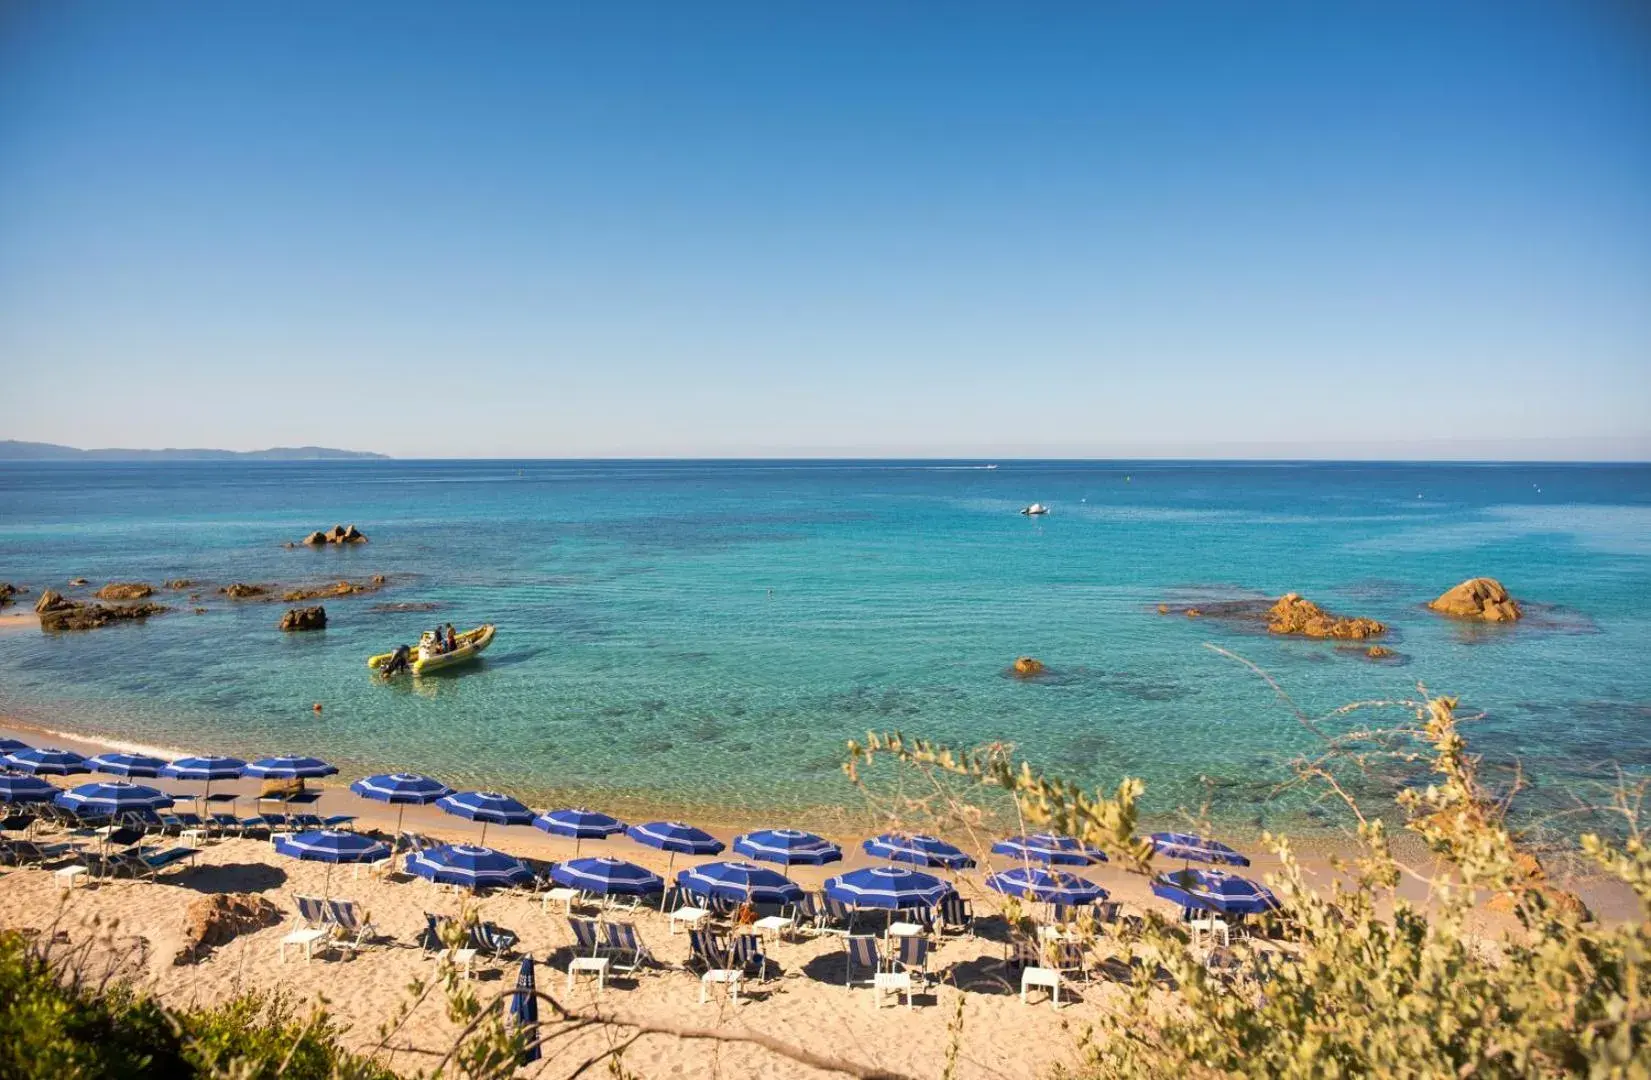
(669,862)
(484,834)
(401,811)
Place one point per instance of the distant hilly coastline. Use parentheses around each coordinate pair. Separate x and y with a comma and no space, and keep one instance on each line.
(14,450)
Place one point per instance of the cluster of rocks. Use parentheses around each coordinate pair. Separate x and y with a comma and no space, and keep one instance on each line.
(306,618)
(1295,614)
(59,613)
(241,590)
(8,591)
(216,919)
(125,590)
(1480,598)
(338,534)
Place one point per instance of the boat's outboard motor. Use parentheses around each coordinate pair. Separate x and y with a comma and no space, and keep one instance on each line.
(398,661)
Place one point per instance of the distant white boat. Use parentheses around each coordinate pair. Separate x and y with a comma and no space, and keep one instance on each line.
(1035,510)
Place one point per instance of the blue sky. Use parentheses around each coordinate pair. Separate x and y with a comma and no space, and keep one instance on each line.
(891,228)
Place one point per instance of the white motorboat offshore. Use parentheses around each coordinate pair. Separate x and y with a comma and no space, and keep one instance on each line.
(1035,510)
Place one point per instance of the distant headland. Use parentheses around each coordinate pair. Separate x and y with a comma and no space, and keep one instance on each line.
(14,450)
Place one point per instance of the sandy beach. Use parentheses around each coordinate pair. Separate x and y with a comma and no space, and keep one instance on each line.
(138,925)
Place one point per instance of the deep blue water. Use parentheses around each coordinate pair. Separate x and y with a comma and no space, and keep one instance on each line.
(701,634)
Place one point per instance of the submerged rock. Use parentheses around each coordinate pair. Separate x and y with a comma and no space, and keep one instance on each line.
(68,615)
(179,584)
(75,583)
(125,590)
(1379,652)
(337,588)
(240,590)
(1478,598)
(1295,614)
(308,618)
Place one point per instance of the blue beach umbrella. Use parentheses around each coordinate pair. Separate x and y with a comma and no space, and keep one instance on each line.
(1214,890)
(887,888)
(1045,886)
(127,764)
(789,847)
(109,798)
(524,1012)
(46,761)
(674,837)
(331,846)
(579,823)
(607,877)
(1189,847)
(487,807)
(207,768)
(290,767)
(734,880)
(12,746)
(402,790)
(468,865)
(25,789)
(1050,848)
(917,849)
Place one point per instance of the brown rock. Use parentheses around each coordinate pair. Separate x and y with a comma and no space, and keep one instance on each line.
(337,588)
(1294,614)
(7,591)
(1027,666)
(50,600)
(73,616)
(1478,598)
(308,618)
(179,584)
(335,535)
(1194,613)
(75,583)
(1163,609)
(125,590)
(200,611)
(353,535)
(1379,652)
(242,591)
(316,539)
(217,918)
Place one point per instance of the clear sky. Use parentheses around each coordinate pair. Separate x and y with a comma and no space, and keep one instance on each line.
(1066,229)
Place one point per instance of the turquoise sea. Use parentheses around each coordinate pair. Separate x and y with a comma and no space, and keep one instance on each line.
(704,636)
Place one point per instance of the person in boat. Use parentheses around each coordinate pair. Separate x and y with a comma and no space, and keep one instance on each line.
(429,644)
(452,638)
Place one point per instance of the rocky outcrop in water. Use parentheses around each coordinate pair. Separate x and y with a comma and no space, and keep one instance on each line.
(56,613)
(338,534)
(125,590)
(337,588)
(1025,667)
(218,918)
(7,592)
(308,618)
(1293,613)
(1480,598)
(50,600)
(180,584)
(75,583)
(240,590)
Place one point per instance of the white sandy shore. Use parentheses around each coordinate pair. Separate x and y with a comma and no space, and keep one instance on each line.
(806,1003)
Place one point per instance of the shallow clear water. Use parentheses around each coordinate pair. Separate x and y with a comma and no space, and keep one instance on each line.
(697,634)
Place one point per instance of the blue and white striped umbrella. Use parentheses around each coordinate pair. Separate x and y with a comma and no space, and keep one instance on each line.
(676,837)
(1214,890)
(468,865)
(917,849)
(331,846)
(46,761)
(1050,848)
(25,789)
(127,764)
(579,823)
(734,880)
(790,847)
(107,798)
(402,789)
(887,888)
(1045,886)
(290,767)
(12,746)
(205,768)
(1189,847)
(607,877)
(524,1012)
(487,807)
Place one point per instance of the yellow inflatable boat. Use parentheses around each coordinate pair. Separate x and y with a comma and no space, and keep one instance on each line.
(423,660)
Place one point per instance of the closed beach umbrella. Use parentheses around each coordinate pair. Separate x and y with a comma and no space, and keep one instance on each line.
(46,761)
(469,866)
(1045,886)
(735,880)
(1214,890)
(290,767)
(12,746)
(524,1012)
(109,798)
(1050,848)
(676,837)
(1189,847)
(887,888)
(127,764)
(789,847)
(487,807)
(331,846)
(205,768)
(917,849)
(606,876)
(25,789)
(579,823)
(402,790)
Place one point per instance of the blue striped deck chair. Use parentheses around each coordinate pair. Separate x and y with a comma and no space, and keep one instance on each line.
(839,915)
(587,939)
(493,940)
(860,951)
(745,952)
(956,913)
(429,939)
(312,911)
(704,950)
(912,954)
(1068,959)
(628,951)
(354,929)
(808,912)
